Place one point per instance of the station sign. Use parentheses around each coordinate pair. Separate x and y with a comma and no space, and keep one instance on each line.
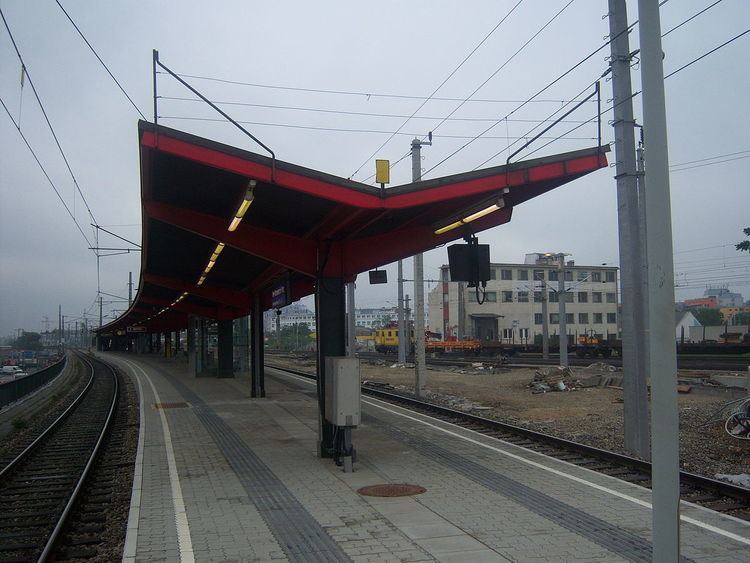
(136,329)
(281,295)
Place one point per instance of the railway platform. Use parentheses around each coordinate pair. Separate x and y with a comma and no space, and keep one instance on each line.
(222,476)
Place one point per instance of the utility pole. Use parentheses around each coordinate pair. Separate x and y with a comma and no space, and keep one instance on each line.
(130,288)
(407,324)
(100,312)
(635,392)
(420,368)
(401,316)
(563,338)
(665,466)
(644,357)
(59,325)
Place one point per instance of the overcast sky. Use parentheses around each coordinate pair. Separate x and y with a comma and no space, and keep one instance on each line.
(385,47)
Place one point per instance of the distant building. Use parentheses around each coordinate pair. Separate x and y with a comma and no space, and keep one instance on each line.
(683,321)
(702,303)
(725,297)
(296,313)
(512,307)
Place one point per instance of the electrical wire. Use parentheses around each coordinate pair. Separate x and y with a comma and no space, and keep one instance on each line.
(435,91)
(679,25)
(333,129)
(44,171)
(46,117)
(100,60)
(353,113)
(683,67)
(711,163)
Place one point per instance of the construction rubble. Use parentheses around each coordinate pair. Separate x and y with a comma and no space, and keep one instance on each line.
(560,378)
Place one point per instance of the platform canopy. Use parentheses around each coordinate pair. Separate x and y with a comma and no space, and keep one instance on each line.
(299,225)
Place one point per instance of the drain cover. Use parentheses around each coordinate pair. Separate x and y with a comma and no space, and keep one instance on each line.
(171,405)
(391,490)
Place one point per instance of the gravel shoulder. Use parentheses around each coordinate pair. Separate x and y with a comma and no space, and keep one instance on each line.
(591,416)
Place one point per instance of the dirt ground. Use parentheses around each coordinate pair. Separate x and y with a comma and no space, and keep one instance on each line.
(588,415)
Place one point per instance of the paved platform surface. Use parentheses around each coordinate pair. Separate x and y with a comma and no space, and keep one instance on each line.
(223,477)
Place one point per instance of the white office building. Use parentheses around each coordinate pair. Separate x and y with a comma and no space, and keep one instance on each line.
(509,309)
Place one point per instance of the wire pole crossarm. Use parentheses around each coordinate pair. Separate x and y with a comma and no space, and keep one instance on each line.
(157,62)
(114,235)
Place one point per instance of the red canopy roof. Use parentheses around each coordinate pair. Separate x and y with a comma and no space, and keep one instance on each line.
(302,224)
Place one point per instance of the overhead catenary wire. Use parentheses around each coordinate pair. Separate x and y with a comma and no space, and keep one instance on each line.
(704,55)
(100,60)
(435,91)
(352,113)
(44,171)
(46,117)
(316,128)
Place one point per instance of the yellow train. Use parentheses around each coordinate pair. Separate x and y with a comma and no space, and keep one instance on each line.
(386,340)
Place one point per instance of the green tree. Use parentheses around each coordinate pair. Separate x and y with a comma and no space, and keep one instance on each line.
(292,337)
(745,244)
(29,341)
(741,319)
(708,317)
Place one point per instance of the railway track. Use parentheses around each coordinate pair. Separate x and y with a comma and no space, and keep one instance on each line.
(41,486)
(709,493)
(719,363)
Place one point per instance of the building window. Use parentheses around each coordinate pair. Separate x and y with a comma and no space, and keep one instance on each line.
(493,274)
(553,275)
(472,296)
(610,276)
(569,318)
(554,318)
(537,297)
(490,296)
(538,274)
(523,333)
(582,275)
(611,318)
(523,274)
(523,296)
(552,297)
(508,333)
(569,297)
(596,297)
(611,298)
(583,318)
(506,274)
(583,297)
(596,276)
(597,318)
(568,275)
(507,296)
(445,274)
(538,319)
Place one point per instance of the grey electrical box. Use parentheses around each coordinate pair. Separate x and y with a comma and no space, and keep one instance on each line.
(342,390)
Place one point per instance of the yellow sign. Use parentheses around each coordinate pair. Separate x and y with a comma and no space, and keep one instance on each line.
(382,171)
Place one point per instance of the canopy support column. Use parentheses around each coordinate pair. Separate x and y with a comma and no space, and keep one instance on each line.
(190,343)
(225,349)
(330,318)
(257,372)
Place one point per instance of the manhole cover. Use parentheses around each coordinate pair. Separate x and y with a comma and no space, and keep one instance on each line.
(391,490)
(171,405)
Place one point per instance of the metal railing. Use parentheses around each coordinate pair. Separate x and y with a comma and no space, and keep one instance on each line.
(13,390)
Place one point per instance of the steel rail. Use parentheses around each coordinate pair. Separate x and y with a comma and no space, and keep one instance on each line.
(52,540)
(55,424)
(717,487)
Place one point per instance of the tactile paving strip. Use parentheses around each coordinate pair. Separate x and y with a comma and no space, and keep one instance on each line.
(296,531)
(601,532)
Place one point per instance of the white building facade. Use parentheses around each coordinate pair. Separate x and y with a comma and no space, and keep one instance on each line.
(296,313)
(511,311)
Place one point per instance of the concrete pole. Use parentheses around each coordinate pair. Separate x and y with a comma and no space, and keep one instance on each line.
(663,361)
(635,392)
(59,325)
(420,368)
(130,288)
(401,316)
(563,338)
(545,321)
(641,334)
(351,321)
